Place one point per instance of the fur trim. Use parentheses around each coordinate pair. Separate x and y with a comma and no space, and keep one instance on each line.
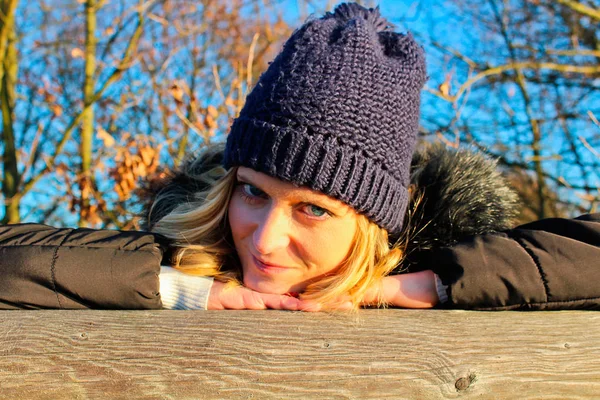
(455,194)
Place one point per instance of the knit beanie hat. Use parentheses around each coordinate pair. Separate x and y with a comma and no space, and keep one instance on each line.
(338,111)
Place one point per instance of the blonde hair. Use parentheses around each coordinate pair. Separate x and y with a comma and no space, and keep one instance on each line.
(204,245)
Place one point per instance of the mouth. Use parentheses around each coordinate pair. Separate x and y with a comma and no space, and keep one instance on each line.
(269,268)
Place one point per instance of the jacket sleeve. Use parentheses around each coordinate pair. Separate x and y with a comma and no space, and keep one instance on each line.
(45,267)
(549,264)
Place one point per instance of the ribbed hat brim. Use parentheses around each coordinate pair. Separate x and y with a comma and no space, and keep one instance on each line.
(320,163)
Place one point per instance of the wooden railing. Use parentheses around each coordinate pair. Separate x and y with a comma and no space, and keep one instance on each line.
(374,354)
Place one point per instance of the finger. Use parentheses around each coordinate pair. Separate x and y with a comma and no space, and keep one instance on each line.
(253,300)
(309,306)
(344,306)
(234,298)
(281,302)
(375,295)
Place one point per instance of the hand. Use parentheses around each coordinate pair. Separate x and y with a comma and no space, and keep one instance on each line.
(411,290)
(242,298)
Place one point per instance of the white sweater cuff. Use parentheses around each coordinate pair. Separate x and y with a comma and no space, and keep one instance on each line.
(180,291)
(441,289)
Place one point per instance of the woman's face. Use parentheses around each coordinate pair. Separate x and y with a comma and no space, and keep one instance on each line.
(286,236)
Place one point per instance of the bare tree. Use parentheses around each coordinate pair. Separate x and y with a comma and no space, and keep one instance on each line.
(113,93)
(211,52)
(520,86)
(46,128)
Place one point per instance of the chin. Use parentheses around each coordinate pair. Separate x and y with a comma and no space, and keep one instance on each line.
(262,286)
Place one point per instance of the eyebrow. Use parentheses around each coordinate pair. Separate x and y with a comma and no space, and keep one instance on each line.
(323,203)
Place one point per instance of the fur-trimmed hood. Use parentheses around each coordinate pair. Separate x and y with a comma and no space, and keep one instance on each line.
(454,194)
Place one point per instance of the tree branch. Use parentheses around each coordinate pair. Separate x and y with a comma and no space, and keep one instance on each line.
(533,65)
(581,9)
(117,72)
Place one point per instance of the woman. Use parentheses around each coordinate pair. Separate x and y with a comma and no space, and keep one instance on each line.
(316,168)
(302,204)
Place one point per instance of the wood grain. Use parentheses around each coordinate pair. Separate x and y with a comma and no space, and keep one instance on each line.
(375,354)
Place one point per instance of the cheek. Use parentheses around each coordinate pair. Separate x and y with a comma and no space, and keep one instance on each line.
(328,248)
(239,219)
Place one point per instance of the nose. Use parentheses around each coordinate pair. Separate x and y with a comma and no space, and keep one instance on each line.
(272,232)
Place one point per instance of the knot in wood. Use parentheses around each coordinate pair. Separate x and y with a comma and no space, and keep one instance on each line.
(464,382)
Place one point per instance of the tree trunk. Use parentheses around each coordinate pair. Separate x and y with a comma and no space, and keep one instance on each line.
(87,124)
(8,75)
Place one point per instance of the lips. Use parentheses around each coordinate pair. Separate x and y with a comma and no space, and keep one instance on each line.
(268,268)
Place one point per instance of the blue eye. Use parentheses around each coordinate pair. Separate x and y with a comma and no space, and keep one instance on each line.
(253,195)
(252,191)
(316,210)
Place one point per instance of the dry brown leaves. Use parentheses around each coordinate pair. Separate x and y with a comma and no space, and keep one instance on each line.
(88,201)
(134,161)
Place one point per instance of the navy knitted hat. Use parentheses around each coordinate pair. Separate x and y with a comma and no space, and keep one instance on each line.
(338,111)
